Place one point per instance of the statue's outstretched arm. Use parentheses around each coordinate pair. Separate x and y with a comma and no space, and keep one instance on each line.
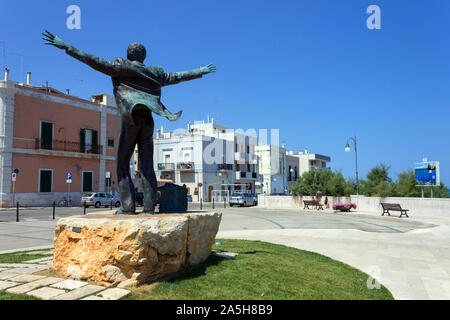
(110,68)
(176,77)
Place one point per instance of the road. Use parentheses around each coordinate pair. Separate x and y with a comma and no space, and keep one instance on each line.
(36,226)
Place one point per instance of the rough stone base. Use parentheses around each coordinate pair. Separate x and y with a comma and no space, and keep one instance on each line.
(132,250)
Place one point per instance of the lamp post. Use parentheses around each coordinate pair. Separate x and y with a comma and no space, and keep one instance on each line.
(347,149)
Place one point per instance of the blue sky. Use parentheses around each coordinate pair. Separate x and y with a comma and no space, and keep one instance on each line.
(309,68)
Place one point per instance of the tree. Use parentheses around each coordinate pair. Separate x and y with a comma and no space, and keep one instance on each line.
(311,181)
(378,182)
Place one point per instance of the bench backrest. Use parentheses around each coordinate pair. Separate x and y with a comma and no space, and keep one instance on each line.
(387,206)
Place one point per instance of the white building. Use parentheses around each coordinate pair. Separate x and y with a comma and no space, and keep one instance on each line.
(300,162)
(208,158)
(272,169)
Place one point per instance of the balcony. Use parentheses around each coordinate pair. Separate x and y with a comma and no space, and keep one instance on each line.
(166,166)
(224,166)
(185,166)
(242,175)
(68,146)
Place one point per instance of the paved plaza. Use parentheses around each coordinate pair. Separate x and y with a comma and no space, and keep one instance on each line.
(410,256)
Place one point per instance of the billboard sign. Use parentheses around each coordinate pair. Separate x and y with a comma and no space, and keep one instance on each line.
(427,173)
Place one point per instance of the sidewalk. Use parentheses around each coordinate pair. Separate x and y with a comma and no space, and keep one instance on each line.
(412,265)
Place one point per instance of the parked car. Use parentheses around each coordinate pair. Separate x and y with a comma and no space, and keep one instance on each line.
(100,199)
(242,199)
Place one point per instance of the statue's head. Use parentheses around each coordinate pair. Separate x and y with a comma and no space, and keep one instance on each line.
(136,52)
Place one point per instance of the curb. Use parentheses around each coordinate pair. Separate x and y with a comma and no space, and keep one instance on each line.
(26,249)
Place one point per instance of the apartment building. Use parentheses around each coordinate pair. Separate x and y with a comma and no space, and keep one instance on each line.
(210,159)
(46,134)
(300,162)
(272,169)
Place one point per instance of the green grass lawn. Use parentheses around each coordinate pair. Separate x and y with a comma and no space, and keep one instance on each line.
(264,271)
(261,271)
(18,257)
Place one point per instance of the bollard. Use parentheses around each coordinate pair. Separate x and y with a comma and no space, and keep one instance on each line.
(54,204)
(84,210)
(111,205)
(200,203)
(224,203)
(17,212)
(213,202)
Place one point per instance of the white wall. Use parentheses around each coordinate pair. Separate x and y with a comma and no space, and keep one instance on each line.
(417,206)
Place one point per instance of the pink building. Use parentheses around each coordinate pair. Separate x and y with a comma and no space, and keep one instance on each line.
(46,134)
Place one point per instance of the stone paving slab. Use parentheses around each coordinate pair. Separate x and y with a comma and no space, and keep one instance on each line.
(69,284)
(17,265)
(80,292)
(46,293)
(114,293)
(24,288)
(39,260)
(40,252)
(4,275)
(6,284)
(28,270)
(94,298)
(26,278)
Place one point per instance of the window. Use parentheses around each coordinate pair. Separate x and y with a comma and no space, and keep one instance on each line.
(167,158)
(45,180)
(87,181)
(111,143)
(88,140)
(46,135)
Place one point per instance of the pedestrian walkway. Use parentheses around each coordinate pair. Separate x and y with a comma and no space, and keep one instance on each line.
(20,278)
(412,265)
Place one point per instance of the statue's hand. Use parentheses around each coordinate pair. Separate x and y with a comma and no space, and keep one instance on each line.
(208,69)
(54,40)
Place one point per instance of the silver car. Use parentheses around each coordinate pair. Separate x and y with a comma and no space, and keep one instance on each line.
(100,199)
(242,199)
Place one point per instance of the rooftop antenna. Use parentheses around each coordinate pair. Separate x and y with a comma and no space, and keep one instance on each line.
(81,86)
(21,65)
(4,53)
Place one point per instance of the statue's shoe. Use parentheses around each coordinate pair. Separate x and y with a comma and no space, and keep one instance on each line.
(121,211)
(148,212)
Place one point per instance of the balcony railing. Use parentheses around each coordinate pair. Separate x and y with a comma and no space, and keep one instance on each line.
(166,166)
(224,166)
(70,146)
(185,166)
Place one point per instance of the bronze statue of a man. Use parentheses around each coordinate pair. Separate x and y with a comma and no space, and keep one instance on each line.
(137,90)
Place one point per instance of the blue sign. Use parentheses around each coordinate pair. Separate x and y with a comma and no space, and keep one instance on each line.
(427,173)
(68,176)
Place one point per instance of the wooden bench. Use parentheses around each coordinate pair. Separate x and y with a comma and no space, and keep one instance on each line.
(307,203)
(393,207)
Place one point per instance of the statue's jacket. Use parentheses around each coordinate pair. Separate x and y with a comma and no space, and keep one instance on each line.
(134,83)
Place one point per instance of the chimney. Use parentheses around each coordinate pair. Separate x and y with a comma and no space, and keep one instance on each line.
(6,74)
(68,92)
(28,78)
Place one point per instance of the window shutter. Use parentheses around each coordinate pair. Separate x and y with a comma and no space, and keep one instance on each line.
(82,140)
(94,142)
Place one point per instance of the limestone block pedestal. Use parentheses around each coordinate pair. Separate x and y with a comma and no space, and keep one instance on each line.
(129,250)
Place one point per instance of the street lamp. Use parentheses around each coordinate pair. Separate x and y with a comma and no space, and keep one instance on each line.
(347,149)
